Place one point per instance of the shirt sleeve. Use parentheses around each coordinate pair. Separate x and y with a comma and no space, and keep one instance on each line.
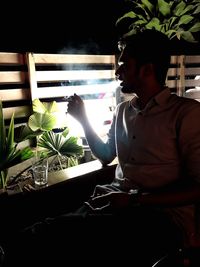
(105,151)
(189,142)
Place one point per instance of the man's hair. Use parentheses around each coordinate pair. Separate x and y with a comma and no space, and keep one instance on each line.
(149,46)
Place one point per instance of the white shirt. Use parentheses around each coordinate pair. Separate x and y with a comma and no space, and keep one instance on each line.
(155,147)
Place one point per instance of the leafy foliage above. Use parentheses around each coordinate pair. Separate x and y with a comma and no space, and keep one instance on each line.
(177,19)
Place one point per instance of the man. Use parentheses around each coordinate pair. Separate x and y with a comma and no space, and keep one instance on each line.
(151,207)
(156,137)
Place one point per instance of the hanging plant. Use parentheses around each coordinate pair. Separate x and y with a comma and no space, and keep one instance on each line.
(177,19)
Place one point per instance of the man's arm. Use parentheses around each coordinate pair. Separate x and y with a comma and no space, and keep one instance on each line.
(171,197)
(105,152)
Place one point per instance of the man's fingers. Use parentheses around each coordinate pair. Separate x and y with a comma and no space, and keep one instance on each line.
(94,208)
(100,201)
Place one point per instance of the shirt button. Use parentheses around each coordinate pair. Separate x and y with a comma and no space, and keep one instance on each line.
(133,159)
(134,136)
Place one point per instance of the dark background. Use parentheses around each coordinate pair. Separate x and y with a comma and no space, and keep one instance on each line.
(66,26)
(60,26)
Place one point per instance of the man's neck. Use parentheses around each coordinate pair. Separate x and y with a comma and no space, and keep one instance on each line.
(145,98)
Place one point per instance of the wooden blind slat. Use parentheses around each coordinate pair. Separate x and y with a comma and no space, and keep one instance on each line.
(192,71)
(192,83)
(14,94)
(192,59)
(173,72)
(44,76)
(12,77)
(73,59)
(20,112)
(11,59)
(60,91)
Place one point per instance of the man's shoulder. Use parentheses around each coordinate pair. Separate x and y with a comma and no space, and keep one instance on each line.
(185,107)
(186,102)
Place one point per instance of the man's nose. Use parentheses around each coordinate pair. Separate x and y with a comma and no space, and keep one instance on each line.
(117,76)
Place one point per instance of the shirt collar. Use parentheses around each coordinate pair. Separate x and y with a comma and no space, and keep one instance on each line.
(160,99)
(163,97)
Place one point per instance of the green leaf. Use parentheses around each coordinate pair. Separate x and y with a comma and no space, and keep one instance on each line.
(195,27)
(178,33)
(24,132)
(38,106)
(131,32)
(72,161)
(51,141)
(185,19)
(10,138)
(57,144)
(130,14)
(71,148)
(154,23)
(171,34)
(65,132)
(187,36)
(140,17)
(3,178)
(177,11)
(164,8)
(51,107)
(148,5)
(197,10)
(187,9)
(2,134)
(141,10)
(26,153)
(44,107)
(12,155)
(43,122)
(138,22)
(172,21)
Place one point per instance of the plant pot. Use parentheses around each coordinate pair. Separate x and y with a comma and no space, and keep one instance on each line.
(3,193)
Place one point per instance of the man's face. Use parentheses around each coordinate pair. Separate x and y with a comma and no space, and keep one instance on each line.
(128,73)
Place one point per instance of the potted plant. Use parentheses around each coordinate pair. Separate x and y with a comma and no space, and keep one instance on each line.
(178,19)
(51,143)
(55,142)
(10,154)
(61,146)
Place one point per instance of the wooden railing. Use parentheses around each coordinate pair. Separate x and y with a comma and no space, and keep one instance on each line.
(24,77)
(182,73)
(14,86)
(52,76)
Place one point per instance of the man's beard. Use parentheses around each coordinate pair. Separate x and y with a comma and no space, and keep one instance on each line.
(127,89)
